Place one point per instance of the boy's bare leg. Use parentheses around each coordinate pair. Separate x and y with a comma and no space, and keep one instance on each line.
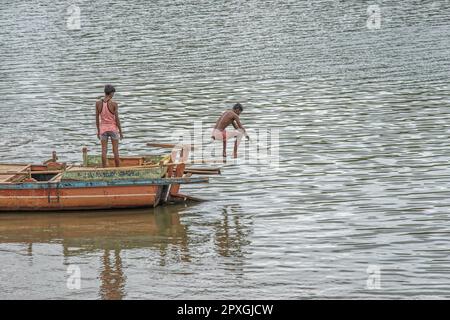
(237,134)
(104,153)
(115,146)
(224,154)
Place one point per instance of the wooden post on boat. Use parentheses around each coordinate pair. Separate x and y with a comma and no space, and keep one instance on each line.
(53,159)
(179,172)
(179,168)
(176,168)
(53,164)
(85,156)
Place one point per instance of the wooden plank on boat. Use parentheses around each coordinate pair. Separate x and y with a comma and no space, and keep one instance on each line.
(161,145)
(96,161)
(35,172)
(102,183)
(84,174)
(207,161)
(143,167)
(171,145)
(199,171)
(184,197)
(10,171)
(59,175)
(127,161)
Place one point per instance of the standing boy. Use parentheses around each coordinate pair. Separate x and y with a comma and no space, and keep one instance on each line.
(108,124)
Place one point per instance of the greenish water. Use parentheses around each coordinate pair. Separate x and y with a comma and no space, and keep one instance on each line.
(362,114)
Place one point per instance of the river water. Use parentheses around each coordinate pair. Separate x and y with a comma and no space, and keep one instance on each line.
(357,205)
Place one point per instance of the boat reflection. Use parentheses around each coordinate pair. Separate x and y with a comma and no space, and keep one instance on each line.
(114,234)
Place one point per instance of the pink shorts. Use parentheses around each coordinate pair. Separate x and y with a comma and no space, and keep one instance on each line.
(219,134)
(225,135)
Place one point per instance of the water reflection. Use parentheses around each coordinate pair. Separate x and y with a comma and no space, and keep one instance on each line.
(110,238)
(230,234)
(112,277)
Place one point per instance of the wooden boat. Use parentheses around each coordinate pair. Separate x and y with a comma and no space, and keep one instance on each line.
(141,181)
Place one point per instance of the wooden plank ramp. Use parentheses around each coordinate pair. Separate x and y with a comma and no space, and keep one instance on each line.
(10,171)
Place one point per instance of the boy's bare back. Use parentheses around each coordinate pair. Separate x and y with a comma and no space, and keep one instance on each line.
(227,118)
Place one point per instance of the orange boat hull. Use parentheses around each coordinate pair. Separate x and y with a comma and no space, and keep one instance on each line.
(106,197)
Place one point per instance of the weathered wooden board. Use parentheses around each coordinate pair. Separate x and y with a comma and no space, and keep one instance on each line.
(96,160)
(78,174)
(9,171)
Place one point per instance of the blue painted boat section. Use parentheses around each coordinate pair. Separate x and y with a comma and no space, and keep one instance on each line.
(94,184)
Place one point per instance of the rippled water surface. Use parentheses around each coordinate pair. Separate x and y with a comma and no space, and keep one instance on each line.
(362,182)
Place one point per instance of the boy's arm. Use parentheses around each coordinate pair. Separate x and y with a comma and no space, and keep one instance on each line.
(237,122)
(97,120)
(118,120)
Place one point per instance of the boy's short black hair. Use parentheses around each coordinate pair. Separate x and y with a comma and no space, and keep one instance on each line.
(238,106)
(109,89)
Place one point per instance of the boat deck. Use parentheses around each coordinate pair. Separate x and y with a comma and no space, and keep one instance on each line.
(9,171)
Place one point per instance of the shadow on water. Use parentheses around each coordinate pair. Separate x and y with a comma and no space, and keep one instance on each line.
(110,235)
